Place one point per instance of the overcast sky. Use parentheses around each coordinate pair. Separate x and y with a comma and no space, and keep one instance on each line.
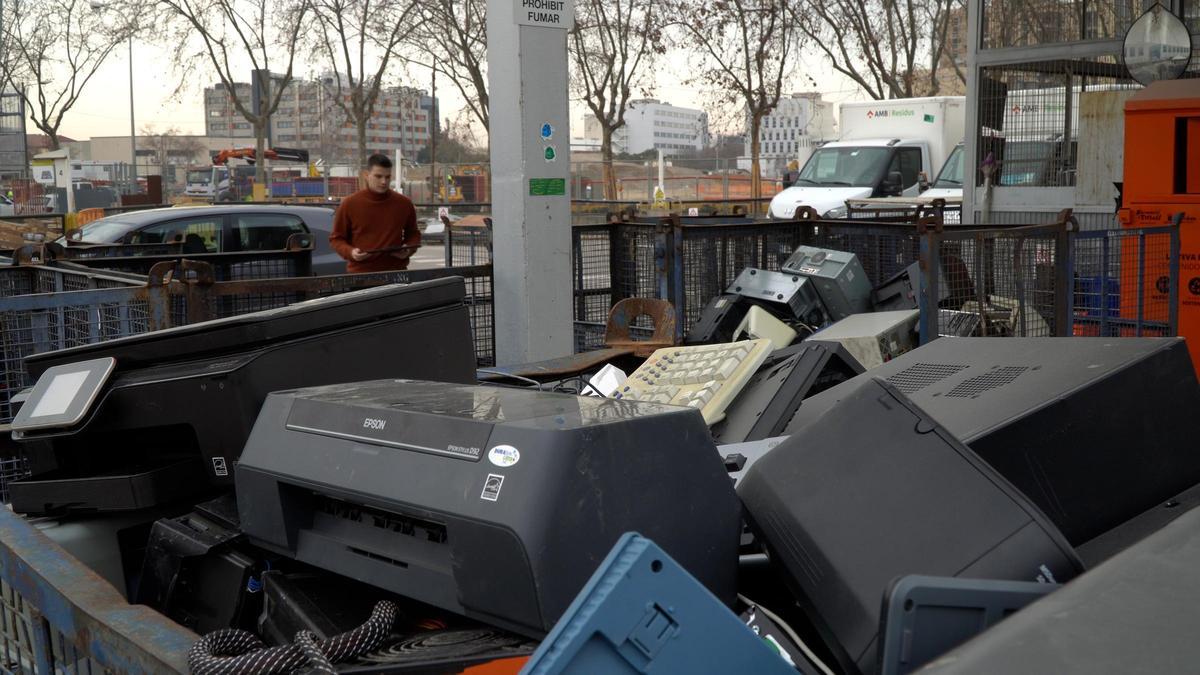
(103,110)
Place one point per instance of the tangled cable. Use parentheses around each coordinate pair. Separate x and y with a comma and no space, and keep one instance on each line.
(236,652)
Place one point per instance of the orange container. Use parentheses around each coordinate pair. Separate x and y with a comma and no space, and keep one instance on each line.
(1162,178)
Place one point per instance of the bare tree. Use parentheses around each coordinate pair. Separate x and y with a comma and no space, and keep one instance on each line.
(170,146)
(612,47)
(745,52)
(890,48)
(229,32)
(451,38)
(358,38)
(49,51)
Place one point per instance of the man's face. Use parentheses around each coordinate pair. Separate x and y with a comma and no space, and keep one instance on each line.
(378,179)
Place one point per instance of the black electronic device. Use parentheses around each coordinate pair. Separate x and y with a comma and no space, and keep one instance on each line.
(717,322)
(1133,614)
(792,296)
(492,502)
(196,573)
(769,400)
(177,409)
(903,289)
(878,490)
(1093,430)
(925,617)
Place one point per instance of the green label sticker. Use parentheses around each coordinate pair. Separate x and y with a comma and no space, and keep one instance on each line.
(550,154)
(929,118)
(547,187)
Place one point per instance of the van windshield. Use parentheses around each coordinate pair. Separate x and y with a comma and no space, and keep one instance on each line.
(199,176)
(1026,162)
(951,176)
(845,167)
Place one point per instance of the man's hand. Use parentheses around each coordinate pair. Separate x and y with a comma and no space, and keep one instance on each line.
(360,255)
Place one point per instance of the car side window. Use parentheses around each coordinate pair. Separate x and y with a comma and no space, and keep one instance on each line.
(201,234)
(265,231)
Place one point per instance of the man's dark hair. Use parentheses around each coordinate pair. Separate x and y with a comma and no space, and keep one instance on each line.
(379,160)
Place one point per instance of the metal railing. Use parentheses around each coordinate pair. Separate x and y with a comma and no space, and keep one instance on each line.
(1011,280)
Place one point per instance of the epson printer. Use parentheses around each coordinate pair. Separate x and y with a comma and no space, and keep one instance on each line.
(496,503)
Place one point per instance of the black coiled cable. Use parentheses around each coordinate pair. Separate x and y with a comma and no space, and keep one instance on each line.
(236,652)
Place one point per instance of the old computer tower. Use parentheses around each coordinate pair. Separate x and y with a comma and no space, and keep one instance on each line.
(839,277)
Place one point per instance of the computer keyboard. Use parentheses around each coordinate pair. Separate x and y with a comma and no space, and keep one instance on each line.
(707,377)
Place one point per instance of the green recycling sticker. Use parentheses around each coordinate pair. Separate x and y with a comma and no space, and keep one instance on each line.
(550,154)
(929,118)
(547,187)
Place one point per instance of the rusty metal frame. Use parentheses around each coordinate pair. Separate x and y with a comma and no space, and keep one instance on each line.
(67,599)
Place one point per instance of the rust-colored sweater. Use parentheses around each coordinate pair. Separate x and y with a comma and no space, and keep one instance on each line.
(368,220)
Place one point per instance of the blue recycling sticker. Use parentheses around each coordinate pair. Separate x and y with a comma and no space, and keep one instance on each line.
(547,131)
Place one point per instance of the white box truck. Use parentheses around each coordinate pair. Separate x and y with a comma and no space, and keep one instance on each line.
(886,149)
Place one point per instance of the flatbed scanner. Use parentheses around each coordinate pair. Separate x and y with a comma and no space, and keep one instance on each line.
(496,503)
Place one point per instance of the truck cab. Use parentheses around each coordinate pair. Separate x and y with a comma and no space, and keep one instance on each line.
(949,182)
(885,167)
(885,149)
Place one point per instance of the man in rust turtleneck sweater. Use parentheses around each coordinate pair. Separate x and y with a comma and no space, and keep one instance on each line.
(371,226)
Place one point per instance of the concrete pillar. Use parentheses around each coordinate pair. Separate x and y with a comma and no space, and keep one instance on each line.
(530,154)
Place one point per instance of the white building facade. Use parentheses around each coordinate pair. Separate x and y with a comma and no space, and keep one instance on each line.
(798,125)
(651,124)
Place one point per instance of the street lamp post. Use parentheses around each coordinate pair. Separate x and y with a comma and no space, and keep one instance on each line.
(132,132)
(97,7)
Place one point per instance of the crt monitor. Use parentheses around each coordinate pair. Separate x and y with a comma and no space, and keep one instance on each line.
(877,489)
(175,411)
(1094,431)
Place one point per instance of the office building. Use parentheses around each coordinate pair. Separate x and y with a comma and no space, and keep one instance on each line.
(651,124)
(796,126)
(308,117)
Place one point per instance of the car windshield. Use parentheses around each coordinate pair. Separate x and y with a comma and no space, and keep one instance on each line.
(103,231)
(199,176)
(845,167)
(951,176)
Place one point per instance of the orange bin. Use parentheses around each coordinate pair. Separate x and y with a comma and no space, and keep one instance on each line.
(1162,178)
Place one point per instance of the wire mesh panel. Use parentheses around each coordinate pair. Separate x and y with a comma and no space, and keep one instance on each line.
(1125,282)
(35,323)
(16,633)
(591,274)
(884,249)
(27,279)
(11,469)
(466,246)
(998,282)
(713,255)
(225,266)
(610,262)
(1025,23)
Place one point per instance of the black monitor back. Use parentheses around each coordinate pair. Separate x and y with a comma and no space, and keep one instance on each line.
(239,334)
(878,490)
(788,376)
(1094,431)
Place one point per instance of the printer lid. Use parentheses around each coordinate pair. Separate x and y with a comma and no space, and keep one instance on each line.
(241,332)
(480,403)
